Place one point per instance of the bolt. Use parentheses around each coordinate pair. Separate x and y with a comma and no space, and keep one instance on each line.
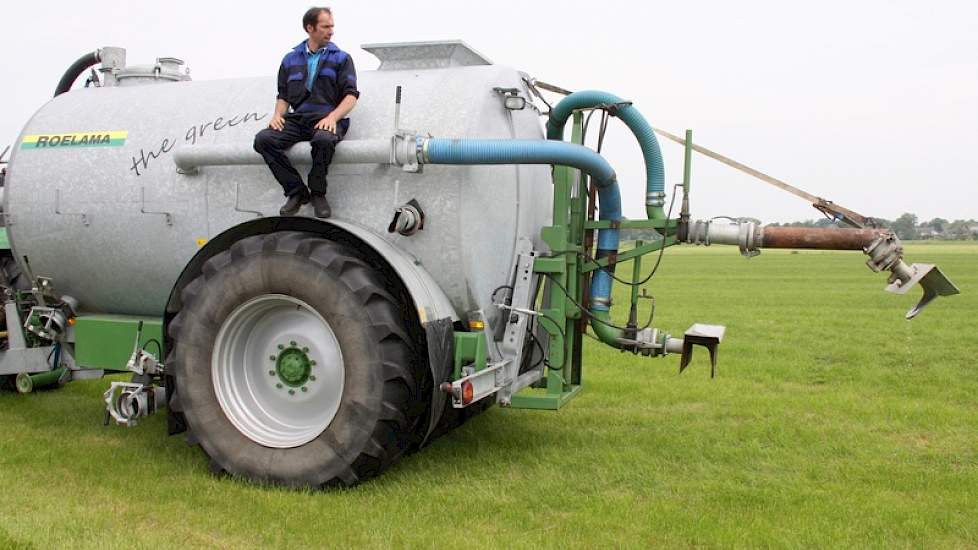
(280,346)
(279,386)
(305,388)
(312,363)
(291,392)
(272,357)
(312,378)
(271,373)
(292,343)
(305,350)
(514,318)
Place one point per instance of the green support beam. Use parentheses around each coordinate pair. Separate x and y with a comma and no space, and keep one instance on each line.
(106,341)
(567,270)
(634,224)
(565,239)
(592,265)
(470,349)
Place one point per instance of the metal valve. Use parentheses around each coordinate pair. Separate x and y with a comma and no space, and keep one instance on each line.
(408,219)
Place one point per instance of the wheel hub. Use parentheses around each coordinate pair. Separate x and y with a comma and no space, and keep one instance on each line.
(293,366)
(278,371)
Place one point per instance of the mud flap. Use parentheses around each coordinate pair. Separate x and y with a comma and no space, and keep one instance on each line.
(440,337)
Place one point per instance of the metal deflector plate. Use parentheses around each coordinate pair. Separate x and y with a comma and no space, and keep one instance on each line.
(931,279)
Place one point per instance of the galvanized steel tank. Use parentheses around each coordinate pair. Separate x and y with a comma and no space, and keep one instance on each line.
(110,219)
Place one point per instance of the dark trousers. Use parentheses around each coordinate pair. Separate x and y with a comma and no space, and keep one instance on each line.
(272,144)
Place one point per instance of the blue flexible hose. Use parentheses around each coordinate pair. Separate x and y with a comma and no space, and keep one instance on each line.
(524,151)
(654,171)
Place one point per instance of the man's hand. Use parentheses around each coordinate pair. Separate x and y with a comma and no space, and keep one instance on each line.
(328,123)
(277,122)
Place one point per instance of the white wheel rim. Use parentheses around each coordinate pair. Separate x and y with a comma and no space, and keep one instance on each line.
(278,371)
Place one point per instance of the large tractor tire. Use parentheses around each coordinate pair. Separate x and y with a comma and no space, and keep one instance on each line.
(294,364)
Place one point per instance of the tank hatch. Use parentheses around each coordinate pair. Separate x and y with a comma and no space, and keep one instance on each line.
(425,55)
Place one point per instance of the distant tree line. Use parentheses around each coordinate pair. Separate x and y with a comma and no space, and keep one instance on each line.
(908,227)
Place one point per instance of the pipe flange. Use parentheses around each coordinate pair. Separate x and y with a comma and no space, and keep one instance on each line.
(884,252)
(655,198)
(747,241)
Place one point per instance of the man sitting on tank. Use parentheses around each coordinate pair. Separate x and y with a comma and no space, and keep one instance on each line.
(317,88)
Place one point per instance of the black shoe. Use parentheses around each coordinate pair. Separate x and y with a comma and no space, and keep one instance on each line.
(320,206)
(291,206)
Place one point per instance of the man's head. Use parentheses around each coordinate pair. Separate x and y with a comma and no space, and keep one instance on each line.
(318,23)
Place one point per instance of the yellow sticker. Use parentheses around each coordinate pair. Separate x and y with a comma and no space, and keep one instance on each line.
(95,138)
(201,242)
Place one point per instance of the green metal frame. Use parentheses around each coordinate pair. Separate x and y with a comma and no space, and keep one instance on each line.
(106,341)
(470,349)
(570,265)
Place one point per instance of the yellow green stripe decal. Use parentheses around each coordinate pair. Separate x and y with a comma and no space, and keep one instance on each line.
(97,138)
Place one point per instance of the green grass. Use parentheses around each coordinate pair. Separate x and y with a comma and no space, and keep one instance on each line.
(833,423)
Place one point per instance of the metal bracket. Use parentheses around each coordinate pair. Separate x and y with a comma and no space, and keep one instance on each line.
(484,382)
(142,207)
(520,312)
(57,209)
(512,100)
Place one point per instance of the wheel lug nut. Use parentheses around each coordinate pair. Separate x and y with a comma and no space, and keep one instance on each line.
(291,392)
(279,386)
(271,373)
(292,343)
(272,357)
(305,350)
(305,388)
(312,363)
(312,378)
(280,346)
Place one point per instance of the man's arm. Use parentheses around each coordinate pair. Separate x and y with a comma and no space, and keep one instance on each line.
(330,121)
(278,117)
(346,80)
(281,106)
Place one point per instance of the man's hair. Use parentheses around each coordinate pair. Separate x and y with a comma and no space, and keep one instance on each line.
(312,17)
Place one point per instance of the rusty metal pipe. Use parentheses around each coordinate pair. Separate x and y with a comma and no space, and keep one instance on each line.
(823,238)
(883,248)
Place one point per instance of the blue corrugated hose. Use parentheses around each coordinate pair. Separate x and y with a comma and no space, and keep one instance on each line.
(527,151)
(654,171)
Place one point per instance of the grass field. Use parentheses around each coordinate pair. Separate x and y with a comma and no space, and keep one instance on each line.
(833,422)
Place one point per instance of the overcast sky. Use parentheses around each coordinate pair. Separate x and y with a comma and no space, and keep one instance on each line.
(871,104)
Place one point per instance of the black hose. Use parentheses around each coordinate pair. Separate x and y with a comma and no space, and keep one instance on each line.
(75,70)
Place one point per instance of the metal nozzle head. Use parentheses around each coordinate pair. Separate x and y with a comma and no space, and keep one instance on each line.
(931,279)
(708,336)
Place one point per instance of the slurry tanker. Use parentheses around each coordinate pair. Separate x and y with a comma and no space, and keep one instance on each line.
(472,245)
